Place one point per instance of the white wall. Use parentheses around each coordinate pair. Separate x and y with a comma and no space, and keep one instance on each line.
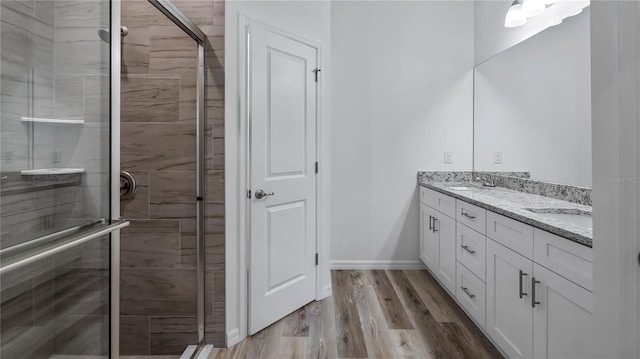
(401,95)
(533,104)
(305,19)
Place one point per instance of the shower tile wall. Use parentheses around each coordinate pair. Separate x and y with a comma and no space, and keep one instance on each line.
(158,274)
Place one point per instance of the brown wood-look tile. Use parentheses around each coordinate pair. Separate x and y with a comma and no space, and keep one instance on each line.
(434,298)
(173,194)
(296,324)
(215,187)
(351,343)
(158,146)
(290,348)
(174,52)
(322,330)
(150,243)
(457,316)
(170,335)
(150,98)
(391,307)
(198,11)
(434,340)
(138,206)
(142,13)
(374,326)
(407,344)
(460,341)
(134,335)
(135,49)
(263,343)
(157,291)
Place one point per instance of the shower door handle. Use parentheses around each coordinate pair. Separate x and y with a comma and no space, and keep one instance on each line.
(128,186)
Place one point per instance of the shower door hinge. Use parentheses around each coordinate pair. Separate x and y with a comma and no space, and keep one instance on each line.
(317,71)
(316,166)
(317,259)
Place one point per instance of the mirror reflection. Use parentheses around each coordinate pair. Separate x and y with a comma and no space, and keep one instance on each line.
(532,110)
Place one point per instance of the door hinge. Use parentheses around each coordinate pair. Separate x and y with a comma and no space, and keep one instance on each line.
(249,194)
(317,71)
(316,167)
(317,259)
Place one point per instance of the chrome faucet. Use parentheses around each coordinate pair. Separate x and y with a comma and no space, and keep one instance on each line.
(486,181)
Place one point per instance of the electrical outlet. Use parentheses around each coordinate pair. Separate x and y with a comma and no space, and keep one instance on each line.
(497,158)
(448,157)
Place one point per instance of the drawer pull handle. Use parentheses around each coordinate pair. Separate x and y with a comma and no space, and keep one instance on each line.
(466,291)
(522,274)
(466,248)
(533,292)
(434,224)
(430,223)
(462,212)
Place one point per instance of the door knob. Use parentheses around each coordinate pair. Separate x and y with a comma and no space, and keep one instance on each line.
(128,186)
(260,194)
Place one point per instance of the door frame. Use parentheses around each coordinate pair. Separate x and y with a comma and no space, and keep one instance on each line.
(615,38)
(237,264)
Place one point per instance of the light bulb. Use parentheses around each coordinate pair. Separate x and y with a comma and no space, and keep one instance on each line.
(515,16)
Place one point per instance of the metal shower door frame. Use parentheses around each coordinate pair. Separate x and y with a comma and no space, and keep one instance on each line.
(183,22)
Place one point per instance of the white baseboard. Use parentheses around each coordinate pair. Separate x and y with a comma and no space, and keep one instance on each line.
(366,265)
(327,291)
(233,337)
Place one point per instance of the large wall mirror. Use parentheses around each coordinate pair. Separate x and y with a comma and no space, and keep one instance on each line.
(532,106)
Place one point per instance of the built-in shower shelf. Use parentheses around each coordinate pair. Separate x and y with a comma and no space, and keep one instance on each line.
(67,121)
(52,171)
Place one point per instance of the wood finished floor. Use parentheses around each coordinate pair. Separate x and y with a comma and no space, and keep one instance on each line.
(372,314)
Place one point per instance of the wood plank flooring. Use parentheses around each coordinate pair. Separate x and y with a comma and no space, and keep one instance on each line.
(372,314)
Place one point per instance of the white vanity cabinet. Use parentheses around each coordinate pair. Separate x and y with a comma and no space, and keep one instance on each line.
(438,237)
(509,314)
(529,290)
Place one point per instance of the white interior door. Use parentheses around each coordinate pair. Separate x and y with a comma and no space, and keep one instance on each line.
(282,102)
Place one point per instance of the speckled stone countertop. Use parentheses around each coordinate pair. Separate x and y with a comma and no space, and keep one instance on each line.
(514,204)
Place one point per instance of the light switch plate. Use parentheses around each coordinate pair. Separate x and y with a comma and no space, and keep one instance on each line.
(448,157)
(497,158)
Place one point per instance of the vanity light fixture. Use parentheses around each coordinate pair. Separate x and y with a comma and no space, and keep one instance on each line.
(554,10)
(515,16)
(532,8)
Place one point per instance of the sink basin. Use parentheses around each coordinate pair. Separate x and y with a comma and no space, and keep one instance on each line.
(460,188)
(577,217)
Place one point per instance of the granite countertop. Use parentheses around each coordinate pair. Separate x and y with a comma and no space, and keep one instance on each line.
(514,204)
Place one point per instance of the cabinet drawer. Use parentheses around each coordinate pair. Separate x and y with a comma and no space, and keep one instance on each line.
(470,293)
(564,257)
(438,201)
(510,233)
(473,216)
(470,248)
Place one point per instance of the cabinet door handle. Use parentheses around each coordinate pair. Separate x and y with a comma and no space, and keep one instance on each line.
(434,224)
(466,291)
(466,248)
(430,223)
(462,212)
(533,292)
(522,274)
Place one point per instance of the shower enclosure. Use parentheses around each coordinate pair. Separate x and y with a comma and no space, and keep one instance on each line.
(55,191)
(60,284)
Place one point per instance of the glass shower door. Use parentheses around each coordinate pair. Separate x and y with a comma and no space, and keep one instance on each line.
(55,178)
